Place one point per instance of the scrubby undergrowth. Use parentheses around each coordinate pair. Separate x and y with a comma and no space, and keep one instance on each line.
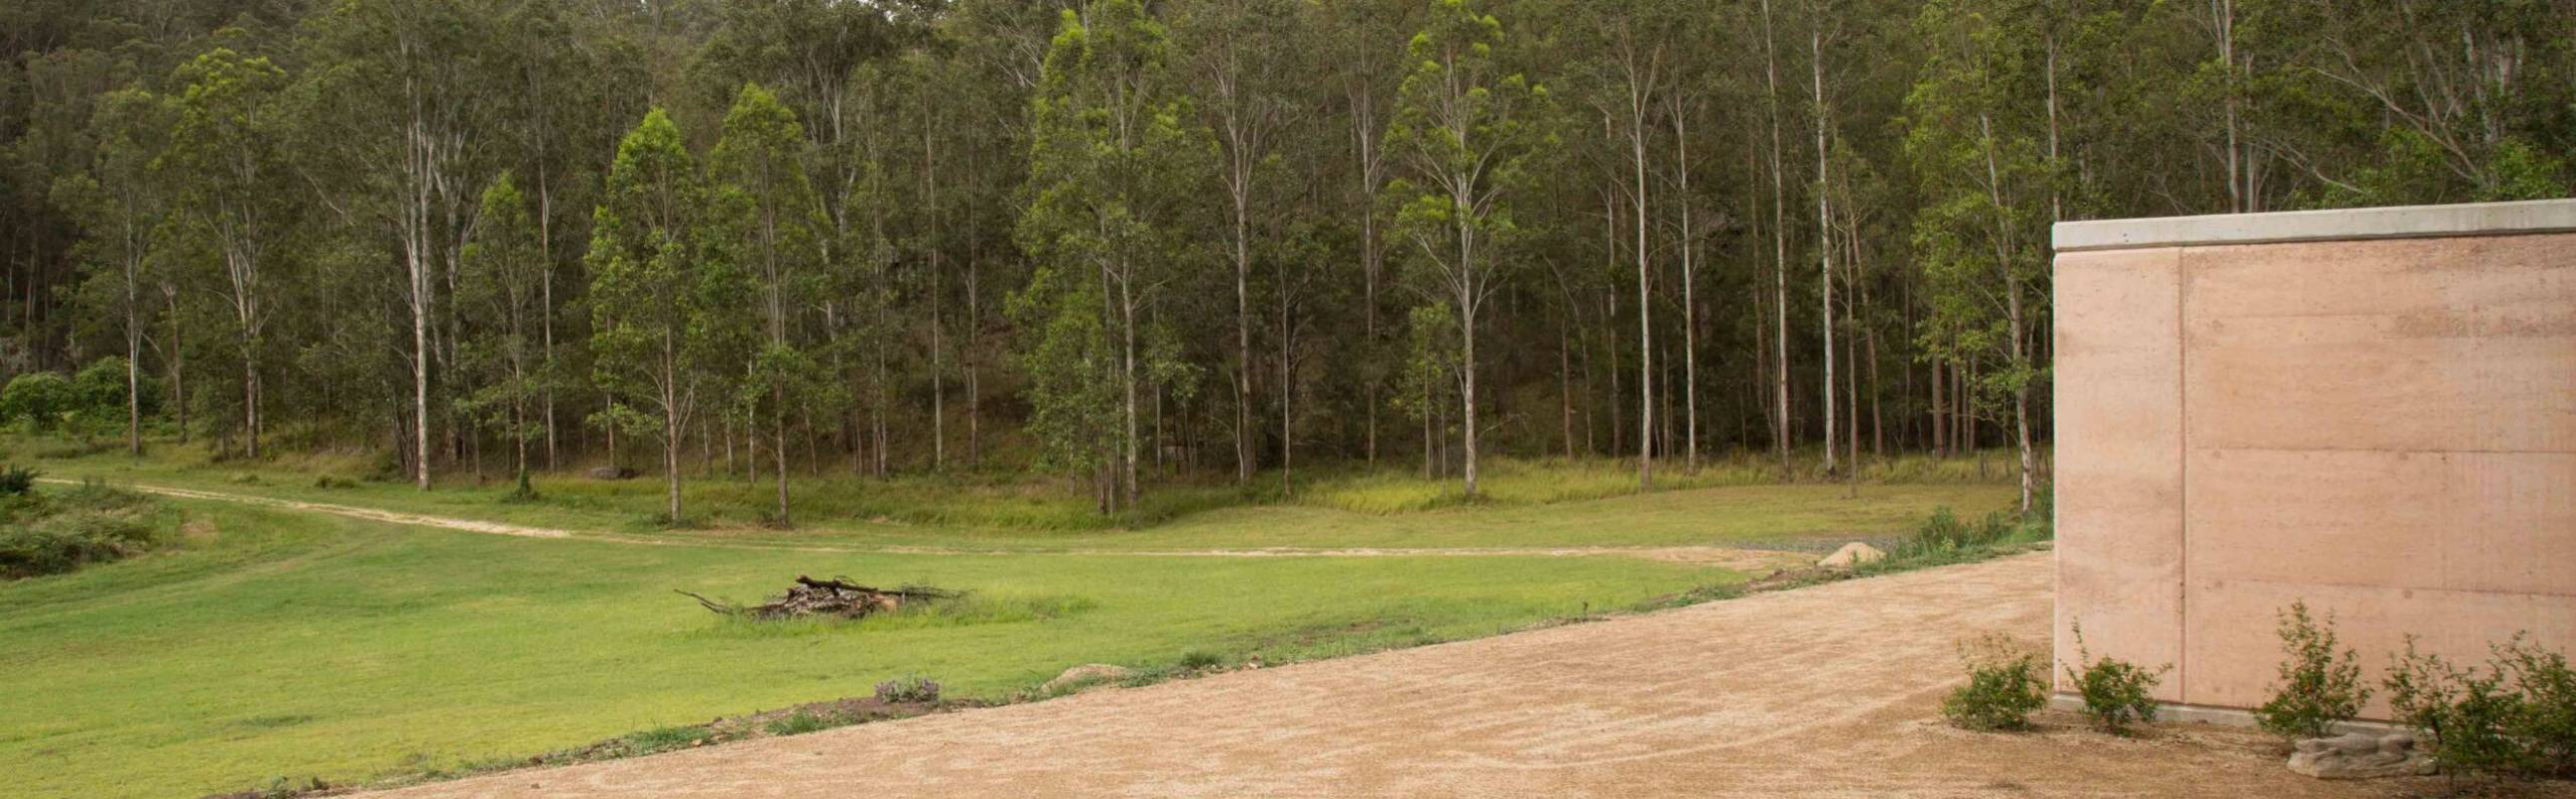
(51,532)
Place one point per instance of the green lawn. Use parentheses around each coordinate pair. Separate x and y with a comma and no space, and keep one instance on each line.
(293,645)
(1528,504)
(296,645)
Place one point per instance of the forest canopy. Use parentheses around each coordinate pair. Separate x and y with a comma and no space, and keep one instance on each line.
(1125,240)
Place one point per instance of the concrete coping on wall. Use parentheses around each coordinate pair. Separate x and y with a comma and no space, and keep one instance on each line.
(2400,222)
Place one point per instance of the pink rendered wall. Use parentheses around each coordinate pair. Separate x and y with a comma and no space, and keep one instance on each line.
(2384,428)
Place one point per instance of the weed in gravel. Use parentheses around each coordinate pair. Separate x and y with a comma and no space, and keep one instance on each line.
(2003,689)
(2116,693)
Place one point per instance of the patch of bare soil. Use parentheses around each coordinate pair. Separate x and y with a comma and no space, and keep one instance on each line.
(1828,691)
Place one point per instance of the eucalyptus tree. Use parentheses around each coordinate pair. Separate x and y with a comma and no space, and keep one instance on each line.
(2465,95)
(225,170)
(1466,126)
(1780,420)
(501,297)
(764,206)
(1981,233)
(1639,44)
(1363,46)
(1110,161)
(561,107)
(121,204)
(660,292)
(408,79)
(1241,54)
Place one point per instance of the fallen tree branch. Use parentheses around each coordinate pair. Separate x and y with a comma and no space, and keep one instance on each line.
(835,597)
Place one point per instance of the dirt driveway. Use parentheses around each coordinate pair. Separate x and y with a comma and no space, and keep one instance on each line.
(1822,692)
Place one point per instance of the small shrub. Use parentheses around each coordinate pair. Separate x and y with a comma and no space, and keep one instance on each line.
(331,483)
(2461,712)
(1200,660)
(39,399)
(908,688)
(2546,722)
(2003,687)
(2116,693)
(16,481)
(800,722)
(2320,687)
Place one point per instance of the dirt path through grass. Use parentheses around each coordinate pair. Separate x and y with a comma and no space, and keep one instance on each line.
(1829,691)
(1755,561)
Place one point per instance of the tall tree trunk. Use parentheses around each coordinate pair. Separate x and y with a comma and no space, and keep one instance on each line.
(133,354)
(1645,307)
(1779,249)
(1690,301)
(1243,426)
(1824,231)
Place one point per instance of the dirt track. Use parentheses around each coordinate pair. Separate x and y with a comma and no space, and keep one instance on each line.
(1822,692)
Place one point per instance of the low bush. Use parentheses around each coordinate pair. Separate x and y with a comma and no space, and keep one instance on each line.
(1944,537)
(908,688)
(2116,693)
(2461,712)
(1200,660)
(2004,686)
(50,534)
(38,400)
(2546,720)
(16,481)
(2516,717)
(2319,685)
(331,483)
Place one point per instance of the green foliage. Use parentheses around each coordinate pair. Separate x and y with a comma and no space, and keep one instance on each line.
(2544,721)
(2462,711)
(662,739)
(1111,158)
(16,481)
(87,402)
(801,722)
(2116,693)
(909,688)
(2319,687)
(99,391)
(1200,660)
(2006,683)
(2515,717)
(38,399)
(43,533)
(1944,535)
(502,296)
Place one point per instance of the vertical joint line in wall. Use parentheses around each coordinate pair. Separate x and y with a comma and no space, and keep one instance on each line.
(2182,471)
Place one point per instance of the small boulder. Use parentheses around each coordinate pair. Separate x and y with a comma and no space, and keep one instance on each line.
(1852,554)
(1080,677)
(612,473)
(2361,756)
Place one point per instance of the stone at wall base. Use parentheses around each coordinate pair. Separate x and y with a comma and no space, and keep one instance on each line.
(1852,554)
(2361,756)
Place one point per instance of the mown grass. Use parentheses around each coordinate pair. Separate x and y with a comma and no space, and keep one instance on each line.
(277,647)
(1524,503)
(283,646)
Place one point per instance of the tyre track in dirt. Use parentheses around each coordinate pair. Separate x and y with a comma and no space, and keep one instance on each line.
(1829,691)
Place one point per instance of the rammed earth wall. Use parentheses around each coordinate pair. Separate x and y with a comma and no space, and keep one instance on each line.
(2373,410)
